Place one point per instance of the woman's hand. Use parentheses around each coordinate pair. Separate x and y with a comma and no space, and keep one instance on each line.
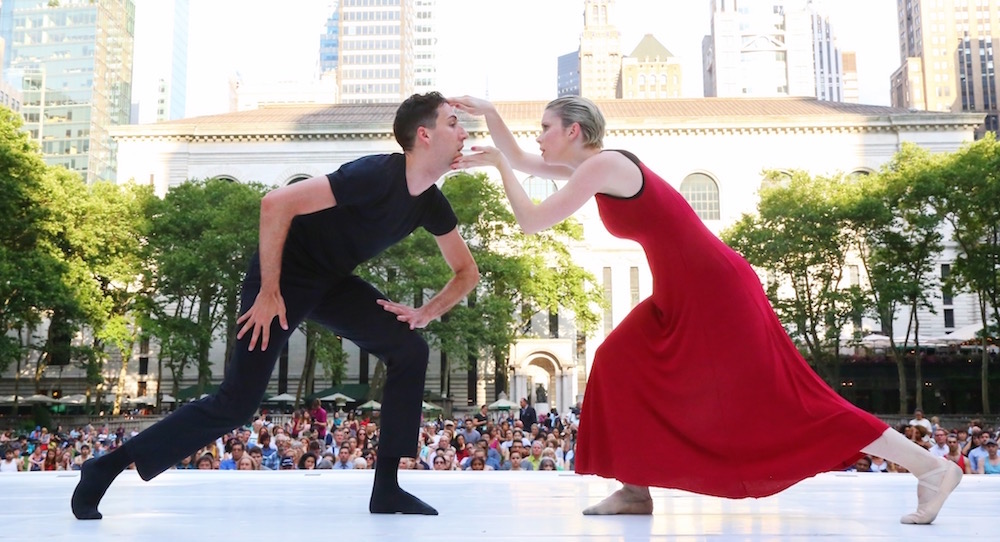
(483,156)
(471,105)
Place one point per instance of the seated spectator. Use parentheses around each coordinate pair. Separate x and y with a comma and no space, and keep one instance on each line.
(206,462)
(955,454)
(344,461)
(307,461)
(991,463)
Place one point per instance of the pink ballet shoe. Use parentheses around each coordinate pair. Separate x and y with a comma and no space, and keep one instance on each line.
(933,489)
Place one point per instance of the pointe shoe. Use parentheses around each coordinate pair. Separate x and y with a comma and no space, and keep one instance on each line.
(931,495)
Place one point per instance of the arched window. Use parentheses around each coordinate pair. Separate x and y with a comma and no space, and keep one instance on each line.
(298,178)
(538,189)
(702,193)
(642,79)
(226,178)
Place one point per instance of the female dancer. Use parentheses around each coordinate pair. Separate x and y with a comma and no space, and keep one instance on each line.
(662,364)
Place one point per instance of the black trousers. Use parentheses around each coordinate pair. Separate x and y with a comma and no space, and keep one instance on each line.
(345,305)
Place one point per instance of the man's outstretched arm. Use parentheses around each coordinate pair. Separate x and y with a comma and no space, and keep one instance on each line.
(456,254)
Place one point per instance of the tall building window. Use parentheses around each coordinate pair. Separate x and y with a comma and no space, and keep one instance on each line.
(538,189)
(946,297)
(949,318)
(702,193)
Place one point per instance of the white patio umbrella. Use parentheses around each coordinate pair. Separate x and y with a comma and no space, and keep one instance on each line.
(430,407)
(167,398)
(962,334)
(503,404)
(77,399)
(338,398)
(38,398)
(281,398)
(371,405)
(143,400)
(875,340)
(9,400)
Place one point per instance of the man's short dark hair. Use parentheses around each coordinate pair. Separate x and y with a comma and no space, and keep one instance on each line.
(416,111)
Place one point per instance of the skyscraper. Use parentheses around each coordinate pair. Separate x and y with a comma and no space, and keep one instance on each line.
(424,47)
(826,59)
(377,44)
(600,51)
(175,88)
(771,48)
(852,93)
(329,43)
(946,53)
(73,60)
(568,74)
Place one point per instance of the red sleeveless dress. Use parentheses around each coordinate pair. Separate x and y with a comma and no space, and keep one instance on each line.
(700,388)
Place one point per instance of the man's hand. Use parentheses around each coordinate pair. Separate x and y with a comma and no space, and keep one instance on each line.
(260,316)
(406,314)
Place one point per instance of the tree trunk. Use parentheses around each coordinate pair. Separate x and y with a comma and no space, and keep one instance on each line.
(985,358)
(378,381)
(308,368)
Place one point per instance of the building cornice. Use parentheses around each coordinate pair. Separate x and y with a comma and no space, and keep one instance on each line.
(653,118)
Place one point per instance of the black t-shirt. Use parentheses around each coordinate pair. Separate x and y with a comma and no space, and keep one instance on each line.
(374,211)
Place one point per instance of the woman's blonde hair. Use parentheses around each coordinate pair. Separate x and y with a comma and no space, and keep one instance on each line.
(583,112)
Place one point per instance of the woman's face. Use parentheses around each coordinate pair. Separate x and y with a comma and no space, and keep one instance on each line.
(246,463)
(553,141)
(310,462)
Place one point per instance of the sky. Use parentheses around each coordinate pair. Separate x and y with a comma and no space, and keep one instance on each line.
(502,49)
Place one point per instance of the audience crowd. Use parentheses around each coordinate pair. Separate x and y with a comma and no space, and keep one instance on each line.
(314,439)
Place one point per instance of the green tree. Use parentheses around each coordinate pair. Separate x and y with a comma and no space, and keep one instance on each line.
(29,274)
(971,207)
(202,236)
(799,236)
(520,276)
(897,227)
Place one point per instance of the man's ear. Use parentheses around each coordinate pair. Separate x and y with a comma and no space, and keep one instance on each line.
(423,134)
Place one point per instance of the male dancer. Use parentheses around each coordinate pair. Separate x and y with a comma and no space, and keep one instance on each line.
(312,236)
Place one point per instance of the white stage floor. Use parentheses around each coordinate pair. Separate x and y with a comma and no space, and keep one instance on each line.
(480,506)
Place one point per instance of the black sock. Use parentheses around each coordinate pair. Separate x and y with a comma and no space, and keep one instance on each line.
(387,473)
(96,476)
(388,498)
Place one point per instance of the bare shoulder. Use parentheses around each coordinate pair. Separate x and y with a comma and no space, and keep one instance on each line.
(619,175)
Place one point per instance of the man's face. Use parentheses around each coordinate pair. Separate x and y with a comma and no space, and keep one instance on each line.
(338,437)
(237,452)
(536,449)
(343,455)
(940,437)
(447,135)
